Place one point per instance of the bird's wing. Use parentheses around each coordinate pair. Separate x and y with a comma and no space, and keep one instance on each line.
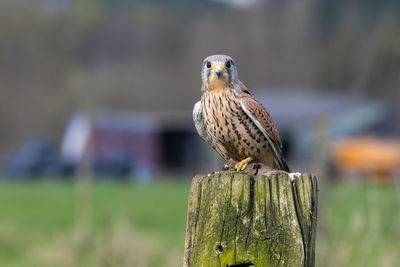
(199,122)
(261,118)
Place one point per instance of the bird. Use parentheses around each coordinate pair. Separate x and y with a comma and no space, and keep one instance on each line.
(232,121)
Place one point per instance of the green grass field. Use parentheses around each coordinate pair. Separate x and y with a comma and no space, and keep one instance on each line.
(51,224)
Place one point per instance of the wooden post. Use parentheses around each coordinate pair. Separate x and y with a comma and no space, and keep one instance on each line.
(236,219)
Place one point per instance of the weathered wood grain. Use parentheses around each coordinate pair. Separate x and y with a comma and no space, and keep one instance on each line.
(235,219)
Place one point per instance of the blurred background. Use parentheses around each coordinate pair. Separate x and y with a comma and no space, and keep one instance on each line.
(97,143)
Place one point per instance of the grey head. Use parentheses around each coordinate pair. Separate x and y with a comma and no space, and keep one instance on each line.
(218,70)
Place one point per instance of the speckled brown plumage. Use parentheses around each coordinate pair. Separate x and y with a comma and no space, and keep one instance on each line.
(231,120)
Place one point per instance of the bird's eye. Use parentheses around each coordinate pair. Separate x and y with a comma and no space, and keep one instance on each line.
(208,65)
(228,65)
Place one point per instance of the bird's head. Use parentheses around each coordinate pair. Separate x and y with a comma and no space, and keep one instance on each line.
(218,71)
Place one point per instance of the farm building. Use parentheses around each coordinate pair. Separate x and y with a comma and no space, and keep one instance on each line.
(133,144)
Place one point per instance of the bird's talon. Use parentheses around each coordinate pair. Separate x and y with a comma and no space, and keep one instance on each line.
(237,166)
(243,167)
(240,166)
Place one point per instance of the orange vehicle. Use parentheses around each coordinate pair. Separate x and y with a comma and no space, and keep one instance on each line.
(367,155)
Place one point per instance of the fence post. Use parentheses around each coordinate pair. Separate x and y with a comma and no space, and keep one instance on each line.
(236,219)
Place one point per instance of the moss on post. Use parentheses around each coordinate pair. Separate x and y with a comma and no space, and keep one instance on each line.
(235,219)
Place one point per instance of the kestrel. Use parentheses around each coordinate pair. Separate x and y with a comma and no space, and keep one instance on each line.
(234,122)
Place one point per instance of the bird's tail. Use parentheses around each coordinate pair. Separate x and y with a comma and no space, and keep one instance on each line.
(284,166)
(281,164)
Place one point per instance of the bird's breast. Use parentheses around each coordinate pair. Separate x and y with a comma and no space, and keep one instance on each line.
(230,129)
(222,113)
(221,109)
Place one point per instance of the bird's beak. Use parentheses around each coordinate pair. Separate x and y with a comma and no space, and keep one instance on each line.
(218,71)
